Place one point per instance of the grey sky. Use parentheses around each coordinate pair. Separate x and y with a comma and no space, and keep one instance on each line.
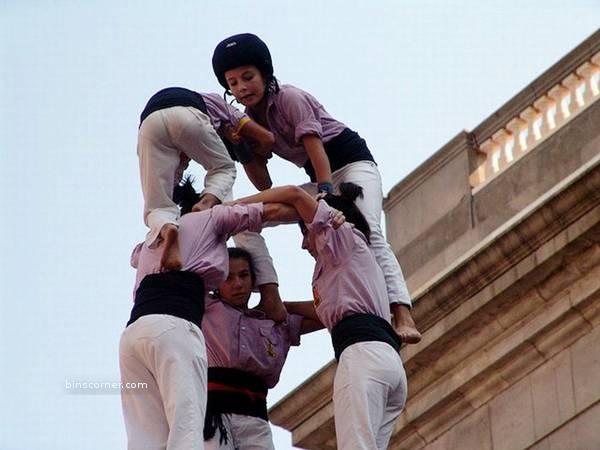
(74,76)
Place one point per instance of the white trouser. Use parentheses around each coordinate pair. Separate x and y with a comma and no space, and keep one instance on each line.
(167,140)
(244,433)
(369,393)
(168,355)
(254,243)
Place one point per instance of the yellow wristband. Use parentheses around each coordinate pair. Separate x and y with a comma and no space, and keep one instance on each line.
(243,122)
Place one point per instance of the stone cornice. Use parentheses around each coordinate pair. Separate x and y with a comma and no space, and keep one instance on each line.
(520,236)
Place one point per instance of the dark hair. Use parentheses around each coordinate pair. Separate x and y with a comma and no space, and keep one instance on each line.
(345,202)
(185,195)
(240,253)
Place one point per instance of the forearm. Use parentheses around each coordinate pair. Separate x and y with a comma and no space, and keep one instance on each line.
(279,212)
(309,325)
(292,196)
(320,162)
(270,302)
(257,133)
(305,309)
(258,174)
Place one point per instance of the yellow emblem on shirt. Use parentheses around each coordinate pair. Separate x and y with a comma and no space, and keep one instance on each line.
(270,350)
(316,297)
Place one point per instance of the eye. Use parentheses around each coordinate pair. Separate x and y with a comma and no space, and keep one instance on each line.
(248,76)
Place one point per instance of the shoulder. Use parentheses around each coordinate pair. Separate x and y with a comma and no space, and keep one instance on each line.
(193,219)
(212,96)
(288,93)
(322,216)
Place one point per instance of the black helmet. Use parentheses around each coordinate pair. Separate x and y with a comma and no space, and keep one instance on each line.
(241,50)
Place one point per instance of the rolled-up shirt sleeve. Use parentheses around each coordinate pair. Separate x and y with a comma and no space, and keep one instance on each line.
(222,113)
(134,259)
(234,219)
(300,111)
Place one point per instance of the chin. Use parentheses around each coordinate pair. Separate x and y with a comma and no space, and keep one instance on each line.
(242,301)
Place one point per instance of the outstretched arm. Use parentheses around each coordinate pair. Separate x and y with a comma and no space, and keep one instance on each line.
(292,196)
(310,321)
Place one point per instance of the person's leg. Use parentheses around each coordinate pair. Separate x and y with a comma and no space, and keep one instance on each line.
(174,352)
(251,433)
(145,421)
(396,398)
(194,135)
(358,400)
(159,160)
(366,175)
(368,394)
(215,443)
(266,276)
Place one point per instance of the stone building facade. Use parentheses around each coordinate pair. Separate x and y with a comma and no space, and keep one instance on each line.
(503,265)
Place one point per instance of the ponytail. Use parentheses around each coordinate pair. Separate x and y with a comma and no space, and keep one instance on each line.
(185,195)
(345,202)
(350,191)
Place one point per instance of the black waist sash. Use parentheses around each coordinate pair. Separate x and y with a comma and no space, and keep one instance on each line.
(179,294)
(347,147)
(170,97)
(362,328)
(232,391)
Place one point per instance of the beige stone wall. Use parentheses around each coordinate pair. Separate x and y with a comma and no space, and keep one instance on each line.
(555,407)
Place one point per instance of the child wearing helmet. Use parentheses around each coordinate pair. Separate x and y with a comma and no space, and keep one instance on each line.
(308,136)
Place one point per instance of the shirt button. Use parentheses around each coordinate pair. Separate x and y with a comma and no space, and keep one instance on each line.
(243,346)
(243,328)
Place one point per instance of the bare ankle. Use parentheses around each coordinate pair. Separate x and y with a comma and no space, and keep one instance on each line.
(170,258)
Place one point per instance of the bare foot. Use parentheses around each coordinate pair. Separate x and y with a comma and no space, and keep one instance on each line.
(170,258)
(404,325)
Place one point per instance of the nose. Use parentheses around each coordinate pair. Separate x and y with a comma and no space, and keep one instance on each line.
(304,244)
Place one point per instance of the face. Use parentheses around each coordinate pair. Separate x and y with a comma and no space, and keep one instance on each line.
(246,84)
(236,289)
(308,242)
